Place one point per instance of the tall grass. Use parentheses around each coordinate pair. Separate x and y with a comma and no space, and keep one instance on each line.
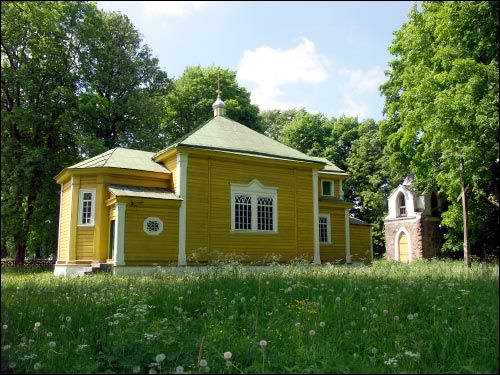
(431,316)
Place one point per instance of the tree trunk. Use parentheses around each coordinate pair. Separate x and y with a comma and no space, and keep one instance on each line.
(465,217)
(20,253)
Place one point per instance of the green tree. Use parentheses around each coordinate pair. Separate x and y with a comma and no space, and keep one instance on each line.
(122,87)
(189,104)
(344,131)
(273,122)
(39,81)
(368,185)
(307,133)
(75,81)
(441,103)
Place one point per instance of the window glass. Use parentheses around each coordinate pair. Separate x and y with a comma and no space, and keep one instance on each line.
(242,212)
(327,187)
(265,213)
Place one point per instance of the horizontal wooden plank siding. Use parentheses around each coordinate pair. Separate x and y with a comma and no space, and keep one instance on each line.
(336,250)
(141,248)
(360,243)
(209,209)
(65,220)
(171,165)
(84,243)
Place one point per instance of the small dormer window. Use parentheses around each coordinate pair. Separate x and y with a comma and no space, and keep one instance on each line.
(327,188)
(401,209)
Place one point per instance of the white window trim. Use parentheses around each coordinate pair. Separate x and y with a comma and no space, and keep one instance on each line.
(254,189)
(155,219)
(92,207)
(332,189)
(328,229)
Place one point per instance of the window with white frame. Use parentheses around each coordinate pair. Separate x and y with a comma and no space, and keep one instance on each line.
(327,188)
(324,229)
(254,207)
(87,207)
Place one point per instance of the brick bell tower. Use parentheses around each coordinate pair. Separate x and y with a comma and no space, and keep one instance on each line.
(412,229)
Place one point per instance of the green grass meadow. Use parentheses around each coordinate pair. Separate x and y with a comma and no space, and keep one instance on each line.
(430,316)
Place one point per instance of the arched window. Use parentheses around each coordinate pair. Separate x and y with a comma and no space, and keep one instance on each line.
(401,205)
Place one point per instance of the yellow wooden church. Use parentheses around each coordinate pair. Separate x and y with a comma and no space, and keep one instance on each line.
(221,189)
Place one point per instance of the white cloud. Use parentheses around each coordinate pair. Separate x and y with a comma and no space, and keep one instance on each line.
(352,107)
(172,8)
(267,69)
(360,85)
(364,80)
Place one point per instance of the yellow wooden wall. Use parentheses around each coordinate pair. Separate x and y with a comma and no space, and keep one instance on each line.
(91,243)
(171,165)
(335,250)
(141,248)
(360,243)
(209,208)
(64,224)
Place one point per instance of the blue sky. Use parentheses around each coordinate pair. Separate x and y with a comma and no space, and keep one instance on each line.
(328,57)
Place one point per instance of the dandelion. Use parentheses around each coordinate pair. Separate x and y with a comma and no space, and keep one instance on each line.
(152,371)
(203,363)
(410,316)
(396,318)
(5,347)
(37,366)
(363,308)
(179,370)
(52,344)
(228,356)
(37,324)
(322,324)
(263,343)
(386,312)
(160,357)
(136,369)
(375,316)
(297,325)
(68,319)
(5,326)
(391,362)
(312,332)
(49,334)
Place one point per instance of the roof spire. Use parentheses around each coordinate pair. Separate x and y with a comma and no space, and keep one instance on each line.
(218,105)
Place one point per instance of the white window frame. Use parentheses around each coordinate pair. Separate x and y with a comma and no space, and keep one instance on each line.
(254,189)
(92,207)
(332,188)
(155,219)
(328,228)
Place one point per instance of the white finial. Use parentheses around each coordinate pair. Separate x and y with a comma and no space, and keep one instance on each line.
(218,105)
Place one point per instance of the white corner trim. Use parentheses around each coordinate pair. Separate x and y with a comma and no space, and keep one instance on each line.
(59,224)
(371,242)
(254,189)
(182,165)
(341,192)
(119,251)
(396,244)
(328,228)
(71,270)
(92,207)
(317,258)
(347,237)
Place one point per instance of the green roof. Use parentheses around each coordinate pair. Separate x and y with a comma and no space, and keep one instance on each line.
(330,167)
(123,158)
(221,133)
(142,192)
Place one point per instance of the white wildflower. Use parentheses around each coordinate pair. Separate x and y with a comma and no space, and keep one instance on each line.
(312,332)
(160,357)
(412,355)
(49,334)
(68,319)
(179,370)
(363,308)
(203,363)
(410,316)
(37,366)
(375,316)
(5,326)
(228,355)
(396,318)
(386,312)
(136,369)
(322,324)
(391,362)
(37,324)
(52,344)
(297,325)
(263,343)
